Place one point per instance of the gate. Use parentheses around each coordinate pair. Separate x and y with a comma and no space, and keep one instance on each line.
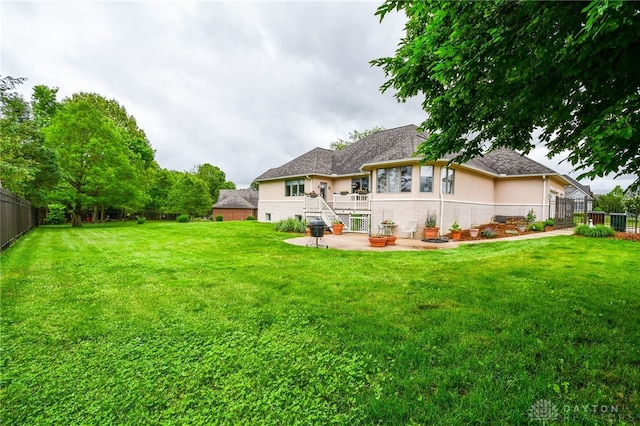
(565,208)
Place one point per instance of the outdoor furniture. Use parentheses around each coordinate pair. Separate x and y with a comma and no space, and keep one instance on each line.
(410,227)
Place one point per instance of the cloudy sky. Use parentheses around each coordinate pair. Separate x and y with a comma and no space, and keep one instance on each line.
(244,86)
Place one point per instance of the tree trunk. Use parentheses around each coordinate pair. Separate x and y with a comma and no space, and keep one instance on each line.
(77,216)
(95,217)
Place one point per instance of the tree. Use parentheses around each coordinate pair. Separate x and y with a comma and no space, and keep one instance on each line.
(613,202)
(97,165)
(215,179)
(27,167)
(189,195)
(492,73)
(354,136)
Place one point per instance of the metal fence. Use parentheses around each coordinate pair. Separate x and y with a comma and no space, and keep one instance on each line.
(17,217)
(613,214)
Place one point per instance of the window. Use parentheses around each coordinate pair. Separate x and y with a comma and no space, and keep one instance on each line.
(394,179)
(294,188)
(426,178)
(267,217)
(360,184)
(448,178)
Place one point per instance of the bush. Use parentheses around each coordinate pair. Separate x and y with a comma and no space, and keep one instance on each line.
(141,220)
(219,218)
(290,225)
(183,218)
(250,218)
(549,222)
(597,231)
(489,233)
(55,216)
(536,226)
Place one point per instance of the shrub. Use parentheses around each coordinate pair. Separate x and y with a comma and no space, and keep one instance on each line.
(290,225)
(489,233)
(219,218)
(250,218)
(531,216)
(183,218)
(55,216)
(597,231)
(141,220)
(549,222)
(536,226)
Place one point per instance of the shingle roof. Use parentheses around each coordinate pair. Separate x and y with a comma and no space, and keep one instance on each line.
(392,145)
(577,186)
(237,199)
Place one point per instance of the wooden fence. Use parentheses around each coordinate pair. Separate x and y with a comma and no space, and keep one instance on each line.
(17,217)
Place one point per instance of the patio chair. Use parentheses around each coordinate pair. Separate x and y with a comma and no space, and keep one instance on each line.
(410,227)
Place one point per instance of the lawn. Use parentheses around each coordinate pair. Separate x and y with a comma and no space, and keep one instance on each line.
(223,323)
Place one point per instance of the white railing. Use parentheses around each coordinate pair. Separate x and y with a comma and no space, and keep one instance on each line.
(354,202)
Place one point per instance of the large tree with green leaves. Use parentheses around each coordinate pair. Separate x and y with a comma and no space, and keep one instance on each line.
(215,179)
(103,157)
(493,73)
(27,167)
(189,195)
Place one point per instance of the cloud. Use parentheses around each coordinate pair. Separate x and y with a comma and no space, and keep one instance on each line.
(245,86)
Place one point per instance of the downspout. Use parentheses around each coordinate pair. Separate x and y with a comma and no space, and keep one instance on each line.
(441,203)
(544,195)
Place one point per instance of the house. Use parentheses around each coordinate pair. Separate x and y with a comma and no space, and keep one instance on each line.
(236,204)
(580,194)
(378,178)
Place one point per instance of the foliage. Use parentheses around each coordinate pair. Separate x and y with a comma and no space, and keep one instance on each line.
(183,218)
(219,218)
(199,332)
(596,231)
(189,195)
(250,218)
(431,220)
(215,179)
(493,72)
(489,232)
(455,226)
(55,214)
(549,222)
(354,136)
(290,225)
(612,202)
(27,167)
(141,220)
(536,226)
(531,216)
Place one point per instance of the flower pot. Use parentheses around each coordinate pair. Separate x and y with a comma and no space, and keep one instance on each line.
(456,234)
(391,240)
(337,228)
(377,241)
(430,233)
(473,232)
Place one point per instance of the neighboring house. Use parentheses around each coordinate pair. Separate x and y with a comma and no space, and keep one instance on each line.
(378,178)
(236,204)
(581,194)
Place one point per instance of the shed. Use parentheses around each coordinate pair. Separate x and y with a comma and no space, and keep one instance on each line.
(236,204)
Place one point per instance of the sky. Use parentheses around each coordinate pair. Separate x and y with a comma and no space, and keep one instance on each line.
(245,86)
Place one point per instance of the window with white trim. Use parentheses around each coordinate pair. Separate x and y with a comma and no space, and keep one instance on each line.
(426,178)
(394,179)
(448,180)
(294,188)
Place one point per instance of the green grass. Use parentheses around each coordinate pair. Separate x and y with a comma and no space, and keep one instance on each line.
(223,323)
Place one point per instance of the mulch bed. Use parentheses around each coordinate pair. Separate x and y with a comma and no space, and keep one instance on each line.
(506,231)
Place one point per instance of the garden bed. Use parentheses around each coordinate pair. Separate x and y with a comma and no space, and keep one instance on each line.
(502,231)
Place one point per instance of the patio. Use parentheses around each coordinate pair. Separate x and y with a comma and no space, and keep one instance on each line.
(359,242)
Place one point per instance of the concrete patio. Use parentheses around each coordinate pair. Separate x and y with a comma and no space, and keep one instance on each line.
(356,241)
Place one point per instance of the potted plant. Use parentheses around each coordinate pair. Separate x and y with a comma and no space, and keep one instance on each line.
(336,227)
(431,229)
(474,231)
(377,240)
(456,232)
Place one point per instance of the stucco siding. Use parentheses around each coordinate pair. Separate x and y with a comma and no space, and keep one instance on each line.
(273,211)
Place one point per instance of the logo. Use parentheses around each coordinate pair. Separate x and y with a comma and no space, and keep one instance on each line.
(543,411)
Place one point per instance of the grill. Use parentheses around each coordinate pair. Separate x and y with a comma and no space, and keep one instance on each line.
(316,229)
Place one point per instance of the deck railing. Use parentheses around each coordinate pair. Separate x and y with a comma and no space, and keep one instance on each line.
(352,202)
